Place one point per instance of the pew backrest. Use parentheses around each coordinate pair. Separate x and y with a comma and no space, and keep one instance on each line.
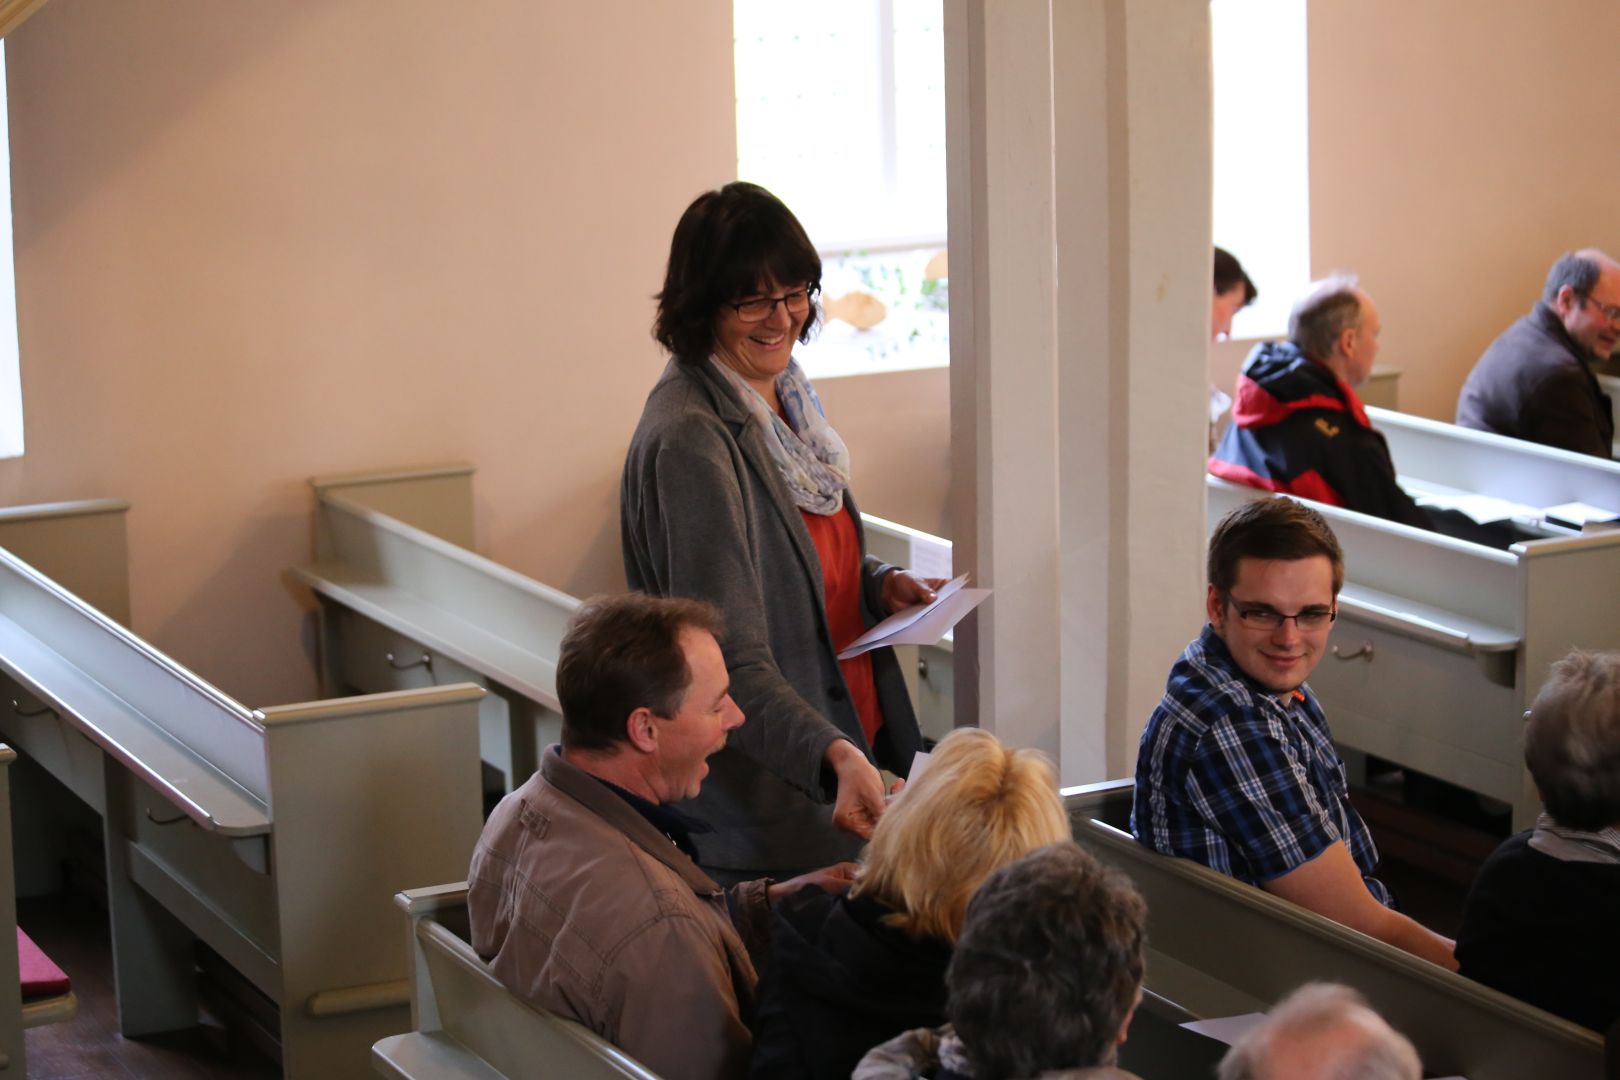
(80,545)
(434,590)
(1434,452)
(467,1026)
(1218,947)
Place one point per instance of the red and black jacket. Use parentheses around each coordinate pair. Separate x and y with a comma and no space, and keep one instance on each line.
(1300,430)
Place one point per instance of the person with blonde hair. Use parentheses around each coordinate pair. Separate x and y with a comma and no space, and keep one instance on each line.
(853,969)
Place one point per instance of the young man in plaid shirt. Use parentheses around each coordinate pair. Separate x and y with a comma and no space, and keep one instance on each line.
(1237,768)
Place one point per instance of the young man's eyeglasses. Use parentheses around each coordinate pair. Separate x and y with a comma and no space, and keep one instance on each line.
(760,308)
(1266,617)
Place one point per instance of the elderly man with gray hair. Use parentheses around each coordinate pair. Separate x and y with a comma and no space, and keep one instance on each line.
(1322,1031)
(1535,382)
(1540,920)
(1298,426)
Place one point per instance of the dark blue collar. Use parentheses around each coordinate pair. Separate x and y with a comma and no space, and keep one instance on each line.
(671,822)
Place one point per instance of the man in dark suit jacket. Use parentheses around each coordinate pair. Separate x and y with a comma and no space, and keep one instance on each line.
(1535,382)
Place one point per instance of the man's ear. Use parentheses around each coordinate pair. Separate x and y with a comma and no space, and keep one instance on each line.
(1565,301)
(1347,339)
(641,730)
(1125,1026)
(1212,607)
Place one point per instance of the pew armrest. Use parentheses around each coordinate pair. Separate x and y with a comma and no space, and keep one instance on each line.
(432,899)
(1422,622)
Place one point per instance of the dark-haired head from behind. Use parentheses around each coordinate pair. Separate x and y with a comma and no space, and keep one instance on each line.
(730,244)
(1271,528)
(1229,274)
(622,653)
(1049,966)
(1572,741)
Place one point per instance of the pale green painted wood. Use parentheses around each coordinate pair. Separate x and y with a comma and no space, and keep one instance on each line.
(467,1026)
(1218,947)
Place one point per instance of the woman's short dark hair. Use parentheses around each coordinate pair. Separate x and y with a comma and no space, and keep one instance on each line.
(730,244)
(1572,742)
(1229,274)
(1271,528)
(622,653)
(1049,965)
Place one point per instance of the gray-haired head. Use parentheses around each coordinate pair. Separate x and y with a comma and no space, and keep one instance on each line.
(1579,270)
(1332,306)
(1322,1031)
(1572,741)
(1049,965)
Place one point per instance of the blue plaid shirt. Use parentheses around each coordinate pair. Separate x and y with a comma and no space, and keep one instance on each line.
(1240,779)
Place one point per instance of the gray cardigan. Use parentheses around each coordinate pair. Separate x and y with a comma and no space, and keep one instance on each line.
(704,513)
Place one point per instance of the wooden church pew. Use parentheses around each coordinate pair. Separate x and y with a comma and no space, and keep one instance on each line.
(15,1013)
(405,603)
(464,1023)
(275,835)
(1218,947)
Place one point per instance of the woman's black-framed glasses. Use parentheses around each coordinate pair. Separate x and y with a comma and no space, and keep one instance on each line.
(759,308)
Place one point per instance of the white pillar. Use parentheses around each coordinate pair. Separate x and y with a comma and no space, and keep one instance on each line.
(1078,160)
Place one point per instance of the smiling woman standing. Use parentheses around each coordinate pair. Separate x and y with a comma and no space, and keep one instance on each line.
(736,491)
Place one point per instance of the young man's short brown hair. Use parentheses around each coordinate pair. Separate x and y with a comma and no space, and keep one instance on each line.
(1271,528)
(622,653)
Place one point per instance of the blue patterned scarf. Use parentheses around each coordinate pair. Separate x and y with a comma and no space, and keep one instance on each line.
(813,460)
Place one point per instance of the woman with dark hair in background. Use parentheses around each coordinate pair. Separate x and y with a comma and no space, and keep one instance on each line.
(736,491)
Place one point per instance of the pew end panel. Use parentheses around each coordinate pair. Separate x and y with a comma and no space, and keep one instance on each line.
(929,670)
(1570,591)
(369,794)
(467,1026)
(438,500)
(1218,947)
(81,545)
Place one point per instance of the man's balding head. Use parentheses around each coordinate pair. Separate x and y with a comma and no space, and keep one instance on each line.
(1583,288)
(1322,1031)
(1337,325)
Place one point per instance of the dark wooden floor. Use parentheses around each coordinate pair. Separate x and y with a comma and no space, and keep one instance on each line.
(73,931)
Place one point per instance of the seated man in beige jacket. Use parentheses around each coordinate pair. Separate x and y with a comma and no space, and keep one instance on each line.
(583,894)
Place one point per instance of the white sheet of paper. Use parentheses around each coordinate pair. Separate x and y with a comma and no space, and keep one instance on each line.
(1226,1029)
(921,624)
(930,558)
(919,765)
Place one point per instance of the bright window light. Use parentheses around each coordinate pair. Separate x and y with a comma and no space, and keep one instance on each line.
(1261,170)
(841,113)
